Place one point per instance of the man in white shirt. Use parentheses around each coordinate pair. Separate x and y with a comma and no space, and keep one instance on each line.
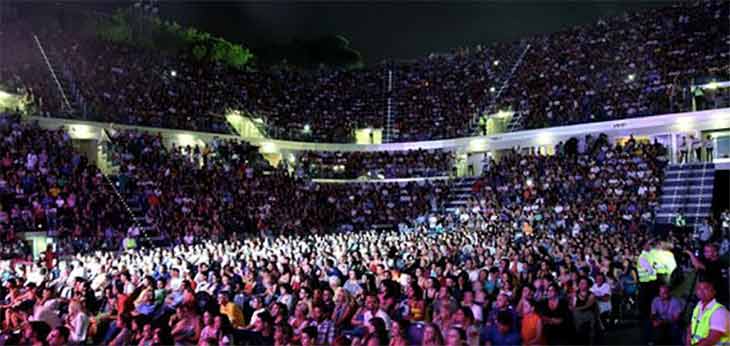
(372,309)
(47,310)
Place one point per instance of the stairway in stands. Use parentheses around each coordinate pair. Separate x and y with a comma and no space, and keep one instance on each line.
(391,132)
(687,187)
(57,74)
(131,196)
(459,193)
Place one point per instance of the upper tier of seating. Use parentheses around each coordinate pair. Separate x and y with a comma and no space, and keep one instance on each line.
(634,65)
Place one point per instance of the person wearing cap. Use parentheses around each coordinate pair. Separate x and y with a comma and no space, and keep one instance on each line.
(710,323)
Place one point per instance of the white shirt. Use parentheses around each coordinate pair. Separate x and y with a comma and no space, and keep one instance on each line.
(47,313)
(79,327)
(368,315)
(602,291)
(476,310)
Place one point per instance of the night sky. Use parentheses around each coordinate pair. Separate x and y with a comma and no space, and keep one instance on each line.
(399,30)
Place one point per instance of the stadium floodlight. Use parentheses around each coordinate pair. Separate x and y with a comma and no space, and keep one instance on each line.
(496,62)
(173,73)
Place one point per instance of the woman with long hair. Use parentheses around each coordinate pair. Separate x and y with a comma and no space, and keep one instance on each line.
(585,312)
(557,319)
(279,312)
(185,326)
(377,334)
(629,283)
(532,331)
(456,337)
(209,330)
(416,304)
(300,320)
(432,335)
(77,322)
(344,309)
(399,332)
(285,296)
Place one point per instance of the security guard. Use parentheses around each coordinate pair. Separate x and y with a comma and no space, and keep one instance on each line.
(483,125)
(665,263)
(710,324)
(647,279)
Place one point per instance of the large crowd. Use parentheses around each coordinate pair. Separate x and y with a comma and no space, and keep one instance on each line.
(633,65)
(227,187)
(386,164)
(609,188)
(544,253)
(45,185)
(638,64)
(549,249)
(476,283)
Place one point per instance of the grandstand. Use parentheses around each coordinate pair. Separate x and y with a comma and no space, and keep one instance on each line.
(151,198)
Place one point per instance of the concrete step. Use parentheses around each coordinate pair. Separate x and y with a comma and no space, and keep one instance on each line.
(693,180)
(690,167)
(670,189)
(460,195)
(686,214)
(690,174)
(684,205)
(687,211)
(686,196)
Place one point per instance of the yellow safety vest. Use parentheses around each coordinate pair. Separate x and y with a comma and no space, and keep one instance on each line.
(130,243)
(701,327)
(645,276)
(665,262)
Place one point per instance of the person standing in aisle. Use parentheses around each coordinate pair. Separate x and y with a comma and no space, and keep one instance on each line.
(697,147)
(709,147)
(683,150)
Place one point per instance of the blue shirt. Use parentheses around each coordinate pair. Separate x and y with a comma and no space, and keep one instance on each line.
(146,309)
(499,339)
